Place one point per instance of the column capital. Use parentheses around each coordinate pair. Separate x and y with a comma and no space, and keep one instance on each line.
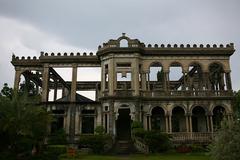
(45,65)
(74,65)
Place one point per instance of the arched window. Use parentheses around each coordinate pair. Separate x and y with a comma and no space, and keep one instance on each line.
(158,119)
(178,120)
(218,114)
(199,123)
(216,76)
(123,43)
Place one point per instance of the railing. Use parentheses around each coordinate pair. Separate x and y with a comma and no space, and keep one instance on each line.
(140,146)
(162,93)
(194,137)
(159,93)
(123,93)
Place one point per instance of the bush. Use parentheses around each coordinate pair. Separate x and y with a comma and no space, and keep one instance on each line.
(136,124)
(199,148)
(59,137)
(139,132)
(226,145)
(99,130)
(157,142)
(95,142)
(53,151)
(183,148)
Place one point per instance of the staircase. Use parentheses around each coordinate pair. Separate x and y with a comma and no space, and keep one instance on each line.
(124,147)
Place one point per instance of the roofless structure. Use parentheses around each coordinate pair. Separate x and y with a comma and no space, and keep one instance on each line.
(137,84)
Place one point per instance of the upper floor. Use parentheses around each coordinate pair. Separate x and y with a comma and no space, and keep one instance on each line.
(129,68)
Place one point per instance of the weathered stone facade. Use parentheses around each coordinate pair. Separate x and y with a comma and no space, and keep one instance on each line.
(188,108)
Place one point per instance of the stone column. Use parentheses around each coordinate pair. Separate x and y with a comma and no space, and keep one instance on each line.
(208,125)
(164,81)
(73,105)
(103,78)
(112,75)
(135,77)
(45,81)
(187,122)
(211,123)
(77,125)
(170,123)
(111,118)
(17,78)
(144,79)
(99,116)
(190,123)
(148,81)
(184,80)
(55,89)
(74,83)
(166,123)
(228,81)
(167,80)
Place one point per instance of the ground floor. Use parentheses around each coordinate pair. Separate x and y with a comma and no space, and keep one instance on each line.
(184,120)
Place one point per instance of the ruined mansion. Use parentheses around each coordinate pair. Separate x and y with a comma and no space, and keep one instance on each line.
(136,85)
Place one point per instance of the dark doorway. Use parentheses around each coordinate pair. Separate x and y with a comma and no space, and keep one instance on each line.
(123,124)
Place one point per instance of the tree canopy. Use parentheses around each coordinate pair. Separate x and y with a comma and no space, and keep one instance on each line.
(23,122)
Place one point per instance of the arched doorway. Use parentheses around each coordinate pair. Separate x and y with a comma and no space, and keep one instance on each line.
(123,124)
(199,123)
(218,115)
(178,120)
(158,119)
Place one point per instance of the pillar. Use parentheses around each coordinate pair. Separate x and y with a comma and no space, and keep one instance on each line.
(74,83)
(112,77)
(144,79)
(211,123)
(187,122)
(73,105)
(17,78)
(148,81)
(228,81)
(166,123)
(170,123)
(184,80)
(55,89)
(208,125)
(167,80)
(135,77)
(103,78)
(45,81)
(77,125)
(190,123)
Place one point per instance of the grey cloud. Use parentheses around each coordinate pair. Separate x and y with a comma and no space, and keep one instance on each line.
(88,23)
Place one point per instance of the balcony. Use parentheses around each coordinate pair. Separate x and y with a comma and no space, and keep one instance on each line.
(161,93)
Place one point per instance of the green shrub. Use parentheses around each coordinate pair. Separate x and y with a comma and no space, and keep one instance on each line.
(59,137)
(95,142)
(139,132)
(99,130)
(198,148)
(53,151)
(183,148)
(226,145)
(157,141)
(136,124)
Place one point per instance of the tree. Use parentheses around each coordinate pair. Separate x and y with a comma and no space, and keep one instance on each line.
(237,103)
(226,145)
(6,91)
(23,122)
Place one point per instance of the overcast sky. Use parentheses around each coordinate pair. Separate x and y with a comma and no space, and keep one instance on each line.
(30,26)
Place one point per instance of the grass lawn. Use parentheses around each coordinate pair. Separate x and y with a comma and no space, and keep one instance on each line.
(172,156)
